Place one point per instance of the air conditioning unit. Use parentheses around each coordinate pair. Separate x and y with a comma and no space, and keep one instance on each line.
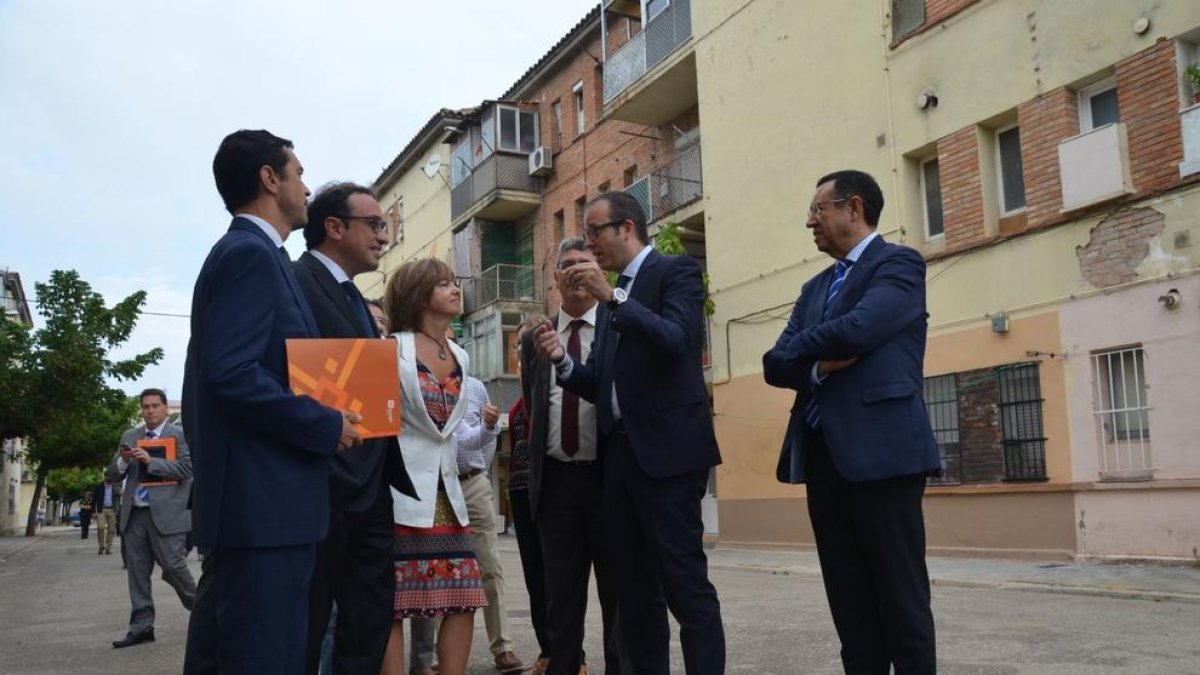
(541,161)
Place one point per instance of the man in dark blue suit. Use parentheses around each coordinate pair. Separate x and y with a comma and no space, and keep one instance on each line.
(859,436)
(260,454)
(645,377)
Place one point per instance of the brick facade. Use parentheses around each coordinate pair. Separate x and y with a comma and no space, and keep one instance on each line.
(1148,97)
(1045,122)
(1118,244)
(937,11)
(962,189)
(979,430)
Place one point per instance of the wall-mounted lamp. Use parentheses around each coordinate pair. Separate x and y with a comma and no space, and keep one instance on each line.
(1172,300)
(927,99)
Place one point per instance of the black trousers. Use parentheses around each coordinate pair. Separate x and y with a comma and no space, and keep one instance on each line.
(200,657)
(871,542)
(355,568)
(251,612)
(656,542)
(529,544)
(570,521)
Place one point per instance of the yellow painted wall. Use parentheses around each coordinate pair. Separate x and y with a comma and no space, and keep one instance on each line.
(426,216)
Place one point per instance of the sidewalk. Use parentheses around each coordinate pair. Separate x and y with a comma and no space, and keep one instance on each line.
(1143,582)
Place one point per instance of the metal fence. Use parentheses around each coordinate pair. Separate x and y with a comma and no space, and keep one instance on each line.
(498,172)
(662,35)
(500,282)
(677,183)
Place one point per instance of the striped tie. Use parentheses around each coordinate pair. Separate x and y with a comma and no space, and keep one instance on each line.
(811,414)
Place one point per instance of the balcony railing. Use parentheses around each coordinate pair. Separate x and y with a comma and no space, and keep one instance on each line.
(677,183)
(662,35)
(498,172)
(498,283)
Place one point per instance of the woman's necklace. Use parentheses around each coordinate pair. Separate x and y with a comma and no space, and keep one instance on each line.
(441,345)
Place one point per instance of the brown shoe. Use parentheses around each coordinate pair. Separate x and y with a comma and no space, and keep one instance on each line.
(509,663)
(540,666)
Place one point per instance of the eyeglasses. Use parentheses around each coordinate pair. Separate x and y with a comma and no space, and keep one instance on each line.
(374,222)
(592,232)
(568,264)
(817,207)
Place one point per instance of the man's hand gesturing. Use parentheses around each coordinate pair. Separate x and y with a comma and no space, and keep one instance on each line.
(547,342)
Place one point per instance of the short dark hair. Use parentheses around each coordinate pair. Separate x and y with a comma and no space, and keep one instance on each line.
(624,206)
(332,199)
(409,291)
(162,395)
(851,183)
(237,163)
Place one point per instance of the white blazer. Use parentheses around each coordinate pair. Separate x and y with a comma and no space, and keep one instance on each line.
(428,453)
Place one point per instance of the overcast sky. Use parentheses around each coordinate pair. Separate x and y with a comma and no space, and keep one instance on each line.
(110,113)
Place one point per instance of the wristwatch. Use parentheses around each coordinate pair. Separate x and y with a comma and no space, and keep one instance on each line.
(619,296)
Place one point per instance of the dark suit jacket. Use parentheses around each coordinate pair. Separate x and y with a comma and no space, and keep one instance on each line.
(535,389)
(360,474)
(873,413)
(651,348)
(98,498)
(260,454)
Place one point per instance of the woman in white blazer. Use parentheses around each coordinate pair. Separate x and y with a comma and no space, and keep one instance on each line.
(437,574)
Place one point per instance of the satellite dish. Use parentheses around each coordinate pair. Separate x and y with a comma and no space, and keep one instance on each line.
(431,167)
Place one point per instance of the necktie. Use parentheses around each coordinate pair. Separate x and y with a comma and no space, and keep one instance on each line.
(143,493)
(570,401)
(811,413)
(360,306)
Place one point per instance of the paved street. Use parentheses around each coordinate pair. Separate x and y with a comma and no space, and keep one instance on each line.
(61,605)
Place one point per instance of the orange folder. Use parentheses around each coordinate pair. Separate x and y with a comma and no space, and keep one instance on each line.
(356,374)
(161,448)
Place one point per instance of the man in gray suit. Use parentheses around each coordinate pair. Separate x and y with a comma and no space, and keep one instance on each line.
(154,514)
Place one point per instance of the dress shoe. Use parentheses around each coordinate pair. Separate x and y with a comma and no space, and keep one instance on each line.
(131,639)
(540,666)
(509,663)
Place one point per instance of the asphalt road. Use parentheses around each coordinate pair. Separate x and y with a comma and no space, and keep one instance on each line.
(61,605)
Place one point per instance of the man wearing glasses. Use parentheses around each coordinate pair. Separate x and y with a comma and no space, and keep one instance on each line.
(656,439)
(859,436)
(345,236)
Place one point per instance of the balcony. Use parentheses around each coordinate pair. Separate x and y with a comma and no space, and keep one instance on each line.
(651,80)
(1189,122)
(499,189)
(670,187)
(500,283)
(1094,166)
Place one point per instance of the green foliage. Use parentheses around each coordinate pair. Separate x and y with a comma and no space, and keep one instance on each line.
(1192,72)
(54,387)
(669,242)
(69,485)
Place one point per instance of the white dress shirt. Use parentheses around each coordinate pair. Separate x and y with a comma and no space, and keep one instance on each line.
(264,226)
(475,443)
(587,411)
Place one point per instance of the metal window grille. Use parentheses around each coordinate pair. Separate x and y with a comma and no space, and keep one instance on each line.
(640,190)
(1022,430)
(941,401)
(1122,411)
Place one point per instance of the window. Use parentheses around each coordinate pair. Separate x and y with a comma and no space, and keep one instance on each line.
(579,204)
(931,196)
(629,176)
(557,124)
(603,187)
(941,401)
(1098,105)
(1021,423)
(1010,170)
(580,121)
(518,130)
(487,136)
(907,16)
(395,216)
(1121,409)
(655,7)
(559,227)
(460,161)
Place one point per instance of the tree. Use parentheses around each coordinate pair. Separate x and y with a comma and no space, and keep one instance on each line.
(54,387)
(69,485)
(668,242)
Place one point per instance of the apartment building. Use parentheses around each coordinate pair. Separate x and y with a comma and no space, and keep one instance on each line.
(1045,158)
(16,481)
